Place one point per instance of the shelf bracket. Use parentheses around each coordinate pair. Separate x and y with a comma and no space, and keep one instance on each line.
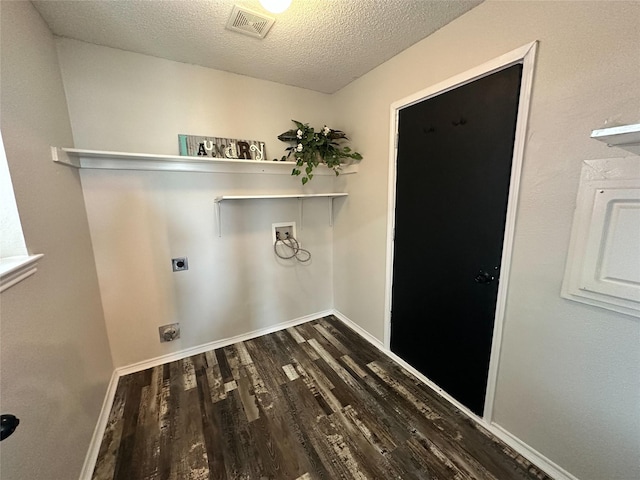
(218,219)
(331,211)
(301,212)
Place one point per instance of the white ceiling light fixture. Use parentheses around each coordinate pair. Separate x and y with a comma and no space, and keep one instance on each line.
(275,6)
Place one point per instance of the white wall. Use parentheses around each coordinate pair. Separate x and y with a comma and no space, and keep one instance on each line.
(569,382)
(55,362)
(139,220)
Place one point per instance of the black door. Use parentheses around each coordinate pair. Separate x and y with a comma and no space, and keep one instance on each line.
(452,186)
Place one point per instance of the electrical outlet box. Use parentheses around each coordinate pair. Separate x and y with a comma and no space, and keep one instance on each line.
(179,264)
(169,333)
(283,231)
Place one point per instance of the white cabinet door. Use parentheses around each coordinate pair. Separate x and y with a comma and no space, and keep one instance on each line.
(603,266)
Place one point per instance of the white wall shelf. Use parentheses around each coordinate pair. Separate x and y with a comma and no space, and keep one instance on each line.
(15,269)
(106,160)
(299,196)
(266,197)
(625,136)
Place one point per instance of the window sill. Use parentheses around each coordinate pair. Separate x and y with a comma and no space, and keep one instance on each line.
(15,269)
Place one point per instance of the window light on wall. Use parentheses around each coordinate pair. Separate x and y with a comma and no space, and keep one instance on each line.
(15,262)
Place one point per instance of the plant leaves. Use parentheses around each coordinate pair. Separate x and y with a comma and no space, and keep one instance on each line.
(316,148)
(288,136)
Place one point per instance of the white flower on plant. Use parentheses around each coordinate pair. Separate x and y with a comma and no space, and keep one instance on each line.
(299,148)
(326,130)
(299,133)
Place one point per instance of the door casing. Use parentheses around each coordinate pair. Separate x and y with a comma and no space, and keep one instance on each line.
(524,55)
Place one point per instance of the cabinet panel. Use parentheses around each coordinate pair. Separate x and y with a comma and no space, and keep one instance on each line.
(603,264)
(612,256)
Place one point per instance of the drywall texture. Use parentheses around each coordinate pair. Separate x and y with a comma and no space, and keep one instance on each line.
(140,220)
(55,361)
(568,380)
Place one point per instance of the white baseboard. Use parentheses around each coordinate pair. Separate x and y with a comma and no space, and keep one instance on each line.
(551,468)
(535,457)
(98,432)
(361,331)
(380,346)
(187,352)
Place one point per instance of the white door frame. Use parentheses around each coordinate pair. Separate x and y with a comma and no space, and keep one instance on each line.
(524,55)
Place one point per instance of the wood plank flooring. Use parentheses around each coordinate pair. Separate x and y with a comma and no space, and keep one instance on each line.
(314,401)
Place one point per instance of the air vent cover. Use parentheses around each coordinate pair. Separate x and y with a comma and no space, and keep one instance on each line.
(250,23)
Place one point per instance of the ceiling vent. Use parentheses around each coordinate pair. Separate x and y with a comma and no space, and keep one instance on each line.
(248,22)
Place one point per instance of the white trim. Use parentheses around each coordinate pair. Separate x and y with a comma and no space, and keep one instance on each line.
(535,457)
(539,460)
(526,56)
(96,439)
(15,269)
(526,85)
(391,222)
(511,58)
(359,330)
(205,347)
(387,351)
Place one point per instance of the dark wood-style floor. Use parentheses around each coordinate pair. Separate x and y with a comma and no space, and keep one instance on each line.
(312,401)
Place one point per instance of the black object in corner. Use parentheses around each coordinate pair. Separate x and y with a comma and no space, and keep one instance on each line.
(8,425)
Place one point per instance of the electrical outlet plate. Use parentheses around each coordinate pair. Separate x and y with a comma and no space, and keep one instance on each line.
(283,228)
(169,333)
(180,263)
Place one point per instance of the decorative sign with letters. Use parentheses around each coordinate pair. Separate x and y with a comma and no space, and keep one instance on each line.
(231,148)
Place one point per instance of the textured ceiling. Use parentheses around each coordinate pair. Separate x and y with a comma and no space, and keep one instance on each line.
(321,45)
